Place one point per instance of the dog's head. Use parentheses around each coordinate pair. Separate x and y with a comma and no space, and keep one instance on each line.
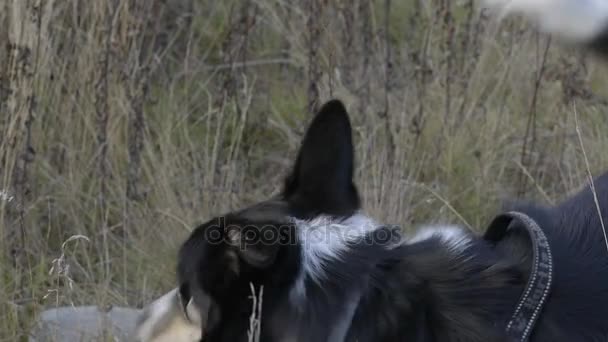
(223,256)
(169,319)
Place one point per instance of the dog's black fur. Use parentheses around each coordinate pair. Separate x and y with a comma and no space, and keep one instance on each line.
(599,44)
(376,291)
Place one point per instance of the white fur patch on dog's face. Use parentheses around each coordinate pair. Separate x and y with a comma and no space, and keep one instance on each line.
(324,239)
(164,321)
(574,20)
(453,237)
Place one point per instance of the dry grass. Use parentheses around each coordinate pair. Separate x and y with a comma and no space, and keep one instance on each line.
(128,122)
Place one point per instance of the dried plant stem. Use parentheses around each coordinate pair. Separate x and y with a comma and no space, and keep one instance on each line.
(314,69)
(590,177)
(448,27)
(365,55)
(255,320)
(388,70)
(137,92)
(102,113)
(530,134)
(16,146)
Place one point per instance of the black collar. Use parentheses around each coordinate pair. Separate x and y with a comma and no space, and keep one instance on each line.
(537,289)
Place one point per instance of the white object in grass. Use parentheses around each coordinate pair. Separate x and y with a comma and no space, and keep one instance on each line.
(574,20)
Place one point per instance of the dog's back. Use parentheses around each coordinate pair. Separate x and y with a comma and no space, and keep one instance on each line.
(576,227)
(578,303)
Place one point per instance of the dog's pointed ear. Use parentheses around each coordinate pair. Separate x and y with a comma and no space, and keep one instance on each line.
(322,178)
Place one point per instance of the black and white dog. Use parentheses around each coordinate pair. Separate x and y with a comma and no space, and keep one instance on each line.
(331,273)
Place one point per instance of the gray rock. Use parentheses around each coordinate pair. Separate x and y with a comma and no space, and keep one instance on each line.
(85,323)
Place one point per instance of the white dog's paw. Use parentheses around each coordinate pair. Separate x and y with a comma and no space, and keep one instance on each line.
(580,21)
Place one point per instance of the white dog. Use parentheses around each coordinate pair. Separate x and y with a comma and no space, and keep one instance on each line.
(168,320)
(576,21)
